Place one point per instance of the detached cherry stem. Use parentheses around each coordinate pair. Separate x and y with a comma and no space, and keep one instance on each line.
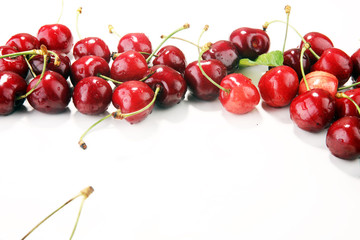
(343,95)
(305,47)
(78,12)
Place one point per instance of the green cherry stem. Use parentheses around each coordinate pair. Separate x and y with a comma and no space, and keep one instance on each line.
(78,12)
(185,26)
(182,39)
(306,46)
(343,95)
(109,79)
(61,11)
(30,67)
(349,86)
(287,11)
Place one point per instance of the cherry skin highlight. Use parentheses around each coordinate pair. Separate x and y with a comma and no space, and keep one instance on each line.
(23,42)
(91,46)
(17,65)
(225,52)
(171,56)
(318,42)
(12,86)
(56,37)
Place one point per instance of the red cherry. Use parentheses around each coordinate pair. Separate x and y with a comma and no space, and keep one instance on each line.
(343,138)
(56,37)
(17,65)
(355,59)
(132,96)
(52,95)
(336,62)
(12,86)
(318,42)
(138,42)
(344,107)
(292,59)
(198,84)
(92,95)
(173,85)
(279,86)
(243,96)
(320,79)
(250,42)
(225,52)
(313,110)
(23,42)
(171,56)
(129,65)
(91,46)
(88,66)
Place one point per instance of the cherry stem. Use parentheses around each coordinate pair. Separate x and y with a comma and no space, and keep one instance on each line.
(287,11)
(78,217)
(343,95)
(78,12)
(30,68)
(109,79)
(61,11)
(349,86)
(182,39)
(111,30)
(306,46)
(185,26)
(42,51)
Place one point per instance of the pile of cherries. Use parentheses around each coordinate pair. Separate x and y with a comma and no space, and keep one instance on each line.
(315,79)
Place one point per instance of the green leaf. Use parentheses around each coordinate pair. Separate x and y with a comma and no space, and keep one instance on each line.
(273,59)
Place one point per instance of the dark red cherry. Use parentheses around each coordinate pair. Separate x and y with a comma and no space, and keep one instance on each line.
(198,84)
(292,59)
(17,65)
(129,65)
(171,56)
(92,95)
(23,42)
(91,46)
(12,86)
(225,52)
(88,66)
(343,138)
(138,42)
(336,62)
(318,42)
(313,110)
(355,59)
(56,37)
(344,107)
(173,85)
(243,96)
(279,86)
(250,42)
(132,96)
(52,95)
(37,63)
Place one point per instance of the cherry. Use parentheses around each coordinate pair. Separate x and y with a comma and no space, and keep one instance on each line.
(132,96)
(92,95)
(129,65)
(250,42)
(17,65)
(12,86)
(138,42)
(173,86)
(318,42)
(292,59)
(320,79)
(313,110)
(355,59)
(344,107)
(279,86)
(88,66)
(23,42)
(91,46)
(56,37)
(37,63)
(343,138)
(171,56)
(242,96)
(336,62)
(52,95)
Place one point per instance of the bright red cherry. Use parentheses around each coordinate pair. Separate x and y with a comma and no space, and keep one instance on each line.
(198,84)
(344,107)
(91,46)
(132,96)
(138,42)
(250,42)
(343,138)
(17,65)
(23,42)
(56,37)
(12,86)
(318,42)
(225,52)
(279,86)
(320,79)
(355,59)
(173,86)
(171,56)
(243,96)
(313,110)
(292,59)
(336,62)
(92,95)
(37,63)
(52,95)
(88,66)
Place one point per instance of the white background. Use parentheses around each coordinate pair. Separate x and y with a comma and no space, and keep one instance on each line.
(193,171)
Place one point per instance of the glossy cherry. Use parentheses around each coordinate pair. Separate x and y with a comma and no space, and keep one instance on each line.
(12,86)
(344,107)
(224,51)
(313,110)
(88,66)
(171,56)
(173,86)
(132,96)
(279,86)
(52,95)
(292,59)
(138,42)
(56,37)
(318,42)
(243,95)
(91,46)
(23,42)
(355,59)
(198,84)
(343,138)
(250,42)
(92,95)
(37,63)
(17,65)
(320,79)
(336,62)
